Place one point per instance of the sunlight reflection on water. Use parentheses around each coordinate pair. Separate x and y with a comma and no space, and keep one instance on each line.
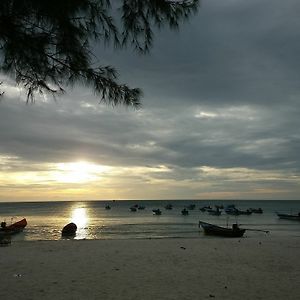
(81,219)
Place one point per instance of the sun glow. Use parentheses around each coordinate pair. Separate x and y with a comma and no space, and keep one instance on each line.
(78,172)
(79,217)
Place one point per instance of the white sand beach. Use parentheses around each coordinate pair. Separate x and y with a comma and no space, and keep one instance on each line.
(212,268)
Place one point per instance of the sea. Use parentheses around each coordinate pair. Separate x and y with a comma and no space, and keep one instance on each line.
(94,221)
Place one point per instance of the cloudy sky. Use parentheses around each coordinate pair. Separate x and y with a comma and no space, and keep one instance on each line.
(220,117)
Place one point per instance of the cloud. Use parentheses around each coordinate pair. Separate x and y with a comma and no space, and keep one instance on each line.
(220,113)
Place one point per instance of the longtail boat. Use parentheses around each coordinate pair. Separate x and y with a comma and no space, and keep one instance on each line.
(295,217)
(214,212)
(211,229)
(236,212)
(184,212)
(156,211)
(256,210)
(13,228)
(169,206)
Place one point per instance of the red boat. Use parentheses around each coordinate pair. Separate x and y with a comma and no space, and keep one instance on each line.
(13,228)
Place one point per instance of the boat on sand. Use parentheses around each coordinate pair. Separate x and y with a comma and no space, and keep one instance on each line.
(13,228)
(211,229)
(69,230)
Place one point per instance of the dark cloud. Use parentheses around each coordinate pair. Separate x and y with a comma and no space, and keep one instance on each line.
(228,54)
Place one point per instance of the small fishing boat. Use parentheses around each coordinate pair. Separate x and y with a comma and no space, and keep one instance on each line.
(169,206)
(232,210)
(132,208)
(214,212)
(13,228)
(69,230)
(211,229)
(295,217)
(230,207)
(205,208)
(219,206)
(256,210)
(156,212)
(191,206)
(107,207)
(184,212)
(244,212)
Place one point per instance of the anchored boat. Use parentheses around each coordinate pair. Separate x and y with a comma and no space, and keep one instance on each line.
(295,217)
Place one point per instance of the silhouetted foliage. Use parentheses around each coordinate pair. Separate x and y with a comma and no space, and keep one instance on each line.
(1,93)
(46,45)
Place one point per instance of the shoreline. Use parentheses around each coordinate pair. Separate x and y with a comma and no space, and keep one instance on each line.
(220,268)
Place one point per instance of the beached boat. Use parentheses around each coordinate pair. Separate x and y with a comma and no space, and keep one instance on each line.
(211,229)
(295,217)
(69,230)
(13,228)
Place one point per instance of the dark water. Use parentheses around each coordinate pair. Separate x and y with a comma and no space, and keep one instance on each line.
(46,219)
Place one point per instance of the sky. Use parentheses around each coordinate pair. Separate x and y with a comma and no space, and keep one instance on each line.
(219,117)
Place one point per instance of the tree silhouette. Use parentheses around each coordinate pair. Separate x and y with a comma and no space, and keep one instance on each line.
(46,45)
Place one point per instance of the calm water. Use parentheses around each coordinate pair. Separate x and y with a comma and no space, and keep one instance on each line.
(46,219)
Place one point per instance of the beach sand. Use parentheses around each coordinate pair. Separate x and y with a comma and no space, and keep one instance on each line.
(204,268)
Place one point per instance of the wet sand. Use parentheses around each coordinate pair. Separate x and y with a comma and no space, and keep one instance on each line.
(210,268)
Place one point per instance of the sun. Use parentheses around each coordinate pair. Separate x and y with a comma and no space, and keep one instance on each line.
(78,172)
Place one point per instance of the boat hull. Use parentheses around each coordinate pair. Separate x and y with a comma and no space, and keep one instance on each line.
(214,212)
(289,217)
(14,228)
(69,230)
(211,229)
